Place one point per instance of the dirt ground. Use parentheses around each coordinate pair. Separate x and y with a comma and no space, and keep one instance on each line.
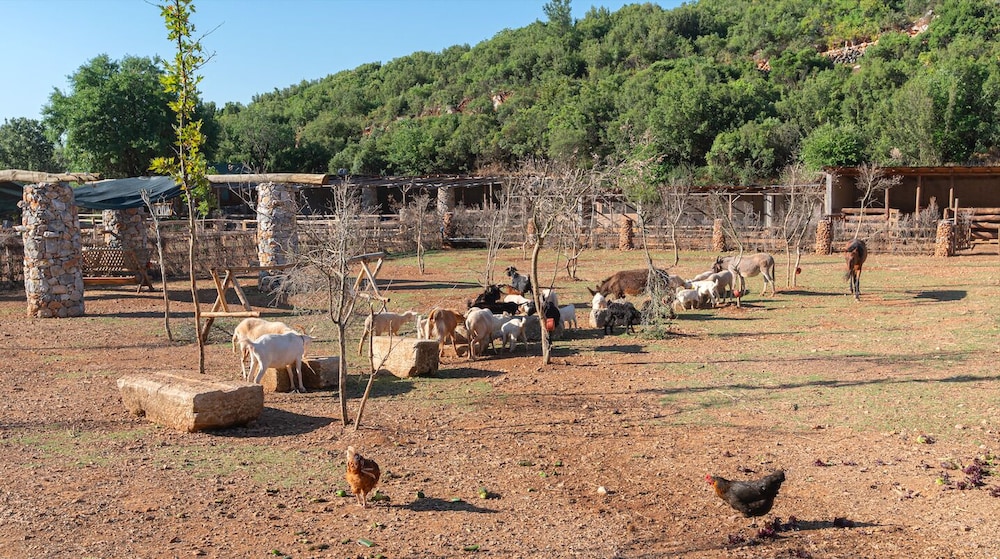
(869,407)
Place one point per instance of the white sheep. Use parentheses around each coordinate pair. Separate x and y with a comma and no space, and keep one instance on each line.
(382,323)
(252,329)
(567,315)
(279,351)
(513,330)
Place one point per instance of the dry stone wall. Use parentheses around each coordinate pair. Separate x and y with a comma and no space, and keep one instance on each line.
(50,230)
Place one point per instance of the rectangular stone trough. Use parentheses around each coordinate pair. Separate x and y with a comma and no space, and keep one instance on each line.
(317,373)
(405,357)
(191,404)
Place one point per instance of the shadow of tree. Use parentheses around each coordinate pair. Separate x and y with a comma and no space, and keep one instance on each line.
(433,504)
(274,422)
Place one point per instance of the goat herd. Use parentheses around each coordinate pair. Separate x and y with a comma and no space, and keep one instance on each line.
(504,312)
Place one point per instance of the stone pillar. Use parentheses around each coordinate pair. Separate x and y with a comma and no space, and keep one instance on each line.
(718,237)
(128,229)
(50,230)
(445,199)
(944,246)
(626,234)
(824,237)
(277,234)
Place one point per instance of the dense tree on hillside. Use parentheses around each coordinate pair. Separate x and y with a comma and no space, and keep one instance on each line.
(23,145)
(114,118)
(734,90)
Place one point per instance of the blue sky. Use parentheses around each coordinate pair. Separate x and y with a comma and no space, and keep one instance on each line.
(259,45)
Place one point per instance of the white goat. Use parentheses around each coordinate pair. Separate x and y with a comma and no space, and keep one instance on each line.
(706,289)
(599,302)
(515,298)
(279,351)
(383,323)
(483,327)
(513,330)
(549,295)
(252,329)
(724,280)
(567,315)
(686,299)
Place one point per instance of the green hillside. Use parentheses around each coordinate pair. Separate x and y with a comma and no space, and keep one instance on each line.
(732,89)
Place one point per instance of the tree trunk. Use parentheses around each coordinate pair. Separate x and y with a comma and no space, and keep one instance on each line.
(546,347)
(193,276)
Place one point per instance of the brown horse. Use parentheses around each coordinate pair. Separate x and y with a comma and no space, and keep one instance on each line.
(855,255)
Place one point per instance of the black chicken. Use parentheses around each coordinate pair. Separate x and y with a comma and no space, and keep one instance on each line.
(752,498)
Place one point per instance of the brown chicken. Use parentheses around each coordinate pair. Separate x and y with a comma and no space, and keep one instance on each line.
(752,498)
(362,475)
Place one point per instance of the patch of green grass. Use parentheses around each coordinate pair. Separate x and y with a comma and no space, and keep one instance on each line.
(267,465)
(65,444)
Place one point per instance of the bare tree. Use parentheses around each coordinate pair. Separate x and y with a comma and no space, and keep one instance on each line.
(674,195)
(415,214)
(323,266)
(801,202)
(163,265)
(555,192)
(872,181)
(720,208)
(495,224)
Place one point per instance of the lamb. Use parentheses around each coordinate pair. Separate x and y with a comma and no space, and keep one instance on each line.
(624,313)
(252,329)
(513,330)
(277,351)
(382,323)
(567,315)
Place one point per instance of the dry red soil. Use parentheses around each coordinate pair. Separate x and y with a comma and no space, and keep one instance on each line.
(602,453)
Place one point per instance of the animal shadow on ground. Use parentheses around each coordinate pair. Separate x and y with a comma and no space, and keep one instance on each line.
(807,293)
(621,348)
(386,384)
(408,284)
(465,372)
(433,504)
(839,524)
(940,296)
(274,422)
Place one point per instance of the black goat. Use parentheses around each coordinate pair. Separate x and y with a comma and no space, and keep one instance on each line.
(498,307)
(519,282)
(490,295)
(490,299)
(622,313)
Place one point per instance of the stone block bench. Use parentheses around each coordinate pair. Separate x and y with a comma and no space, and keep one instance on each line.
(317,373)
(191,404)
(405,357)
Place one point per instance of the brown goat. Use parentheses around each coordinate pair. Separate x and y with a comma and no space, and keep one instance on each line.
(632,282)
